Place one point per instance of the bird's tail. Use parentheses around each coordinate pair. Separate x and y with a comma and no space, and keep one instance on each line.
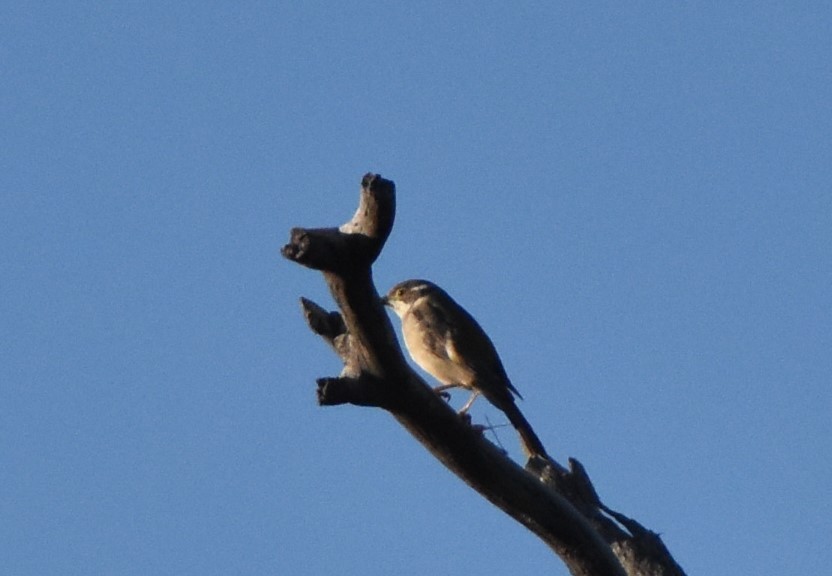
(531,444)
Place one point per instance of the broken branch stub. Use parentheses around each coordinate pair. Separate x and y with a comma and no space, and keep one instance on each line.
(354,245)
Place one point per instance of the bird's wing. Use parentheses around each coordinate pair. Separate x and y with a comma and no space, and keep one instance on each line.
(468,345)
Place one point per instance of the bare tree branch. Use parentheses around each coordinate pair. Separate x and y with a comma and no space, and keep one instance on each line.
(560,505)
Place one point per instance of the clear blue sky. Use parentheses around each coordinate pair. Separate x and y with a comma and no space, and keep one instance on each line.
(635,202)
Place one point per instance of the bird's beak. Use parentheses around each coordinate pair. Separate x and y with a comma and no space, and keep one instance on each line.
(385,301)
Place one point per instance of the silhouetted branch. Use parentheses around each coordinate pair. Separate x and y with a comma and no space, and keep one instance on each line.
(561,506)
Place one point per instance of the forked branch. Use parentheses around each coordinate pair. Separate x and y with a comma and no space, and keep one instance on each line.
(559,505)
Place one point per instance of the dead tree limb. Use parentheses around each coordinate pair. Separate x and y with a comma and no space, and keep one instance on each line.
(559,505)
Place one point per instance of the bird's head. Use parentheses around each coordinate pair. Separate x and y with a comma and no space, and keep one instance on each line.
(402,296)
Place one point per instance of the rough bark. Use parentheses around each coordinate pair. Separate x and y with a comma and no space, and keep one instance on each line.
(559,504)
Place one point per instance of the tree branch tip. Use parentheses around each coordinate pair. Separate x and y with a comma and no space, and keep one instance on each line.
(368,179)
(310,306)
(297,246)
(322,322)
(290,252)
(373,181)
(329,393)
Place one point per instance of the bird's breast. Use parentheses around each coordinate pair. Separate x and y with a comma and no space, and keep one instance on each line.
(427,345)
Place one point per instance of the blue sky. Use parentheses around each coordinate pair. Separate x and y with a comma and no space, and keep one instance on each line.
(635,201)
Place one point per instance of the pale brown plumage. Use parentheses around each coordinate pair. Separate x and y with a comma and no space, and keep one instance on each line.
(448,343)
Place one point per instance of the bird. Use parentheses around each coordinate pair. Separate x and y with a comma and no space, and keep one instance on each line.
(445,341)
